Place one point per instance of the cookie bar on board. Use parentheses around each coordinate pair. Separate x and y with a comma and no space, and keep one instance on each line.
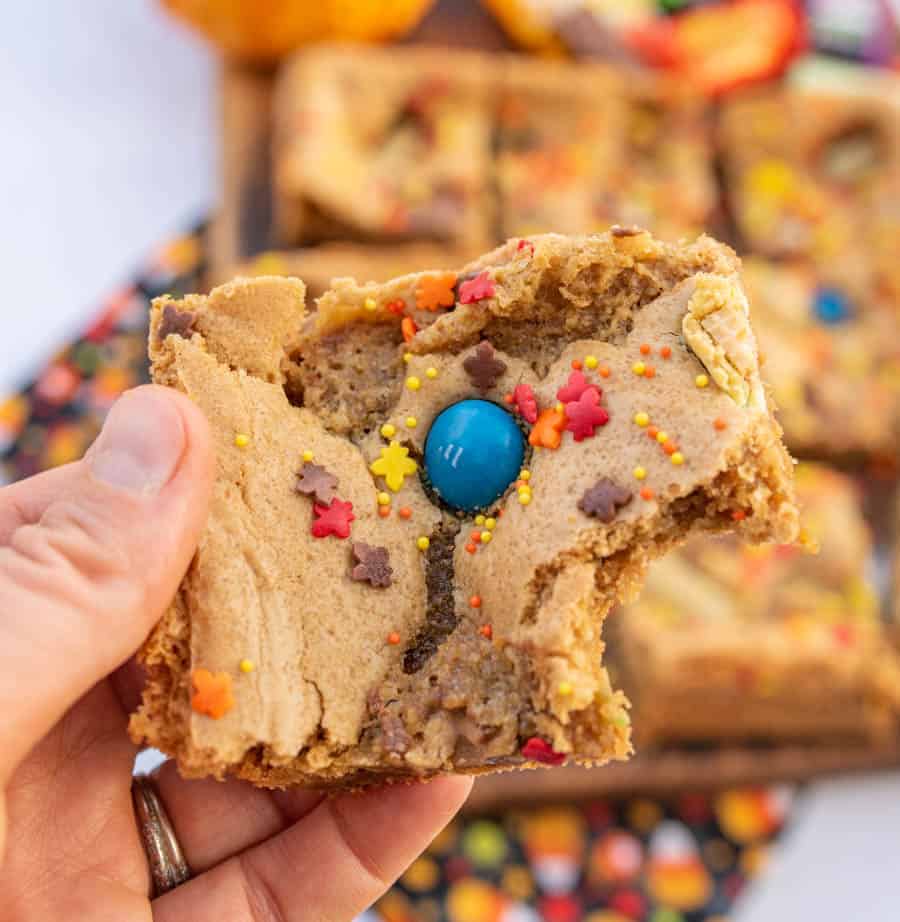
(431,491)
(770,643)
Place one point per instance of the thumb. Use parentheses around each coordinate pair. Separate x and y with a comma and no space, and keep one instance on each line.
(94,554)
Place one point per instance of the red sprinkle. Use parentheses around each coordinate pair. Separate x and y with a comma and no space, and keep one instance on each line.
(538,750)
(526,245)
(397,307)
(393,638)
(574,388)
(333,519)
(584,415)
(486,631)
(475,601)
(404,512)
(526,402)
(665,352)
(476,289)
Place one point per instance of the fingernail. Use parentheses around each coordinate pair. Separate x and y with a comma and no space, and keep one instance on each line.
(141,443)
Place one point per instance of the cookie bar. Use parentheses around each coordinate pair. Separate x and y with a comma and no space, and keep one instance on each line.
(430,492)
(317,266)
(580,147)
(834,370)
(815,173)
(764,643)
(383,145)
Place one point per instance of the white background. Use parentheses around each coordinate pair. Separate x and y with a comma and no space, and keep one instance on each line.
(108,148)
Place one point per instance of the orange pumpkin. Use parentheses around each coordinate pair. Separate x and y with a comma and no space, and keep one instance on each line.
(266,29)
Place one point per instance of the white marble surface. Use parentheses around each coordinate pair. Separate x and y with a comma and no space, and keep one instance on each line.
(108,148)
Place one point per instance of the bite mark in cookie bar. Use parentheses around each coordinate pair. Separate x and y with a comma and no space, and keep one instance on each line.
(483,650)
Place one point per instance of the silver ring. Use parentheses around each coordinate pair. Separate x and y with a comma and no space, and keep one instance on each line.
(168,868)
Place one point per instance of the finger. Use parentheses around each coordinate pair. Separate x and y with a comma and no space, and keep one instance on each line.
(24,502)
(214,820)
(331,865)
(81,587)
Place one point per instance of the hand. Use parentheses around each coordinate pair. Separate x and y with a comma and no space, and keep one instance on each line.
(90,554)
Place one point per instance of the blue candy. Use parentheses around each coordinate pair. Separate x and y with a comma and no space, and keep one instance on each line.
(831,306)
(473,452)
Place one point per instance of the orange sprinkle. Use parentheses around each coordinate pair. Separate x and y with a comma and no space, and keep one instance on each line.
(435,291)
(384,511)
(486,631)
(670,448)
(645,349)
(475,601)
(665,352)
(576,364)
(408,326)
(499,514)
(738,515)
(476,535)
(652,431)
(603,371)
(471,548)
(404,512)
(547,431)
(396,307)
(212,693)
(649,372)
(646,493)
(509,398)
(719,424)
(393,638)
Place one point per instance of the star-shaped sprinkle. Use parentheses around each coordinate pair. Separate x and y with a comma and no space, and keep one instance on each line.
(526,403)
(482,368)
(212,693)
(547,431)
(394,464)
(538,750)
(574,388)
(372,565)
(604,499)
(584,415)
(476,289)
(175,322)
(333,519)
(315,480)
(436,291)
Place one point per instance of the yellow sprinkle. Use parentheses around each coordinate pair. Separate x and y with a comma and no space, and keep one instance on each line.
(642,419)
(241,440)
(388,430)
(560,407)
(413,383)
(638,368)
(677,458)
(247,665)
(308,455)
(565,688)
(524,489)
(486,537)
(422,543)
(639,473)
(384,499)
(662,437)
(479,520)
(407,356)
(524,498)
(490,523)
(369,304)
(524,474)
(701,380)
(590,361)
(411,422)
(431,373)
